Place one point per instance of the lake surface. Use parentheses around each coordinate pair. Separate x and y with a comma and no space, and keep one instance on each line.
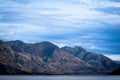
(60,77)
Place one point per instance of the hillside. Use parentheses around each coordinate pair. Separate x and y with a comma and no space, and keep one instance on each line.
(47,58)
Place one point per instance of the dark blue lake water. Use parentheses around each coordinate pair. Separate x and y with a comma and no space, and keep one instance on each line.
(59,77)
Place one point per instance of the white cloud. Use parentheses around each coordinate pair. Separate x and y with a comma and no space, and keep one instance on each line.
(60,44)
(26,29)
(11,33)
(114,57)
(64,12)
(94,47)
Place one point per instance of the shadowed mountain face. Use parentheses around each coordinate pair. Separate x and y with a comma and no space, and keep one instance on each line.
(102,63)
(47,58)
(8,70)
(21,61)
(42,49)
(115,72)
(118,62)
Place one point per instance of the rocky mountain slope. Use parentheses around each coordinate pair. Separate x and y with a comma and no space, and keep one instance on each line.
(42,58)
(102,63)
(47,58)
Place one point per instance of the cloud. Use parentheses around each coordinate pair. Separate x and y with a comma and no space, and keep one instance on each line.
(63,22)
(94,47)
(60,44)
(114,57)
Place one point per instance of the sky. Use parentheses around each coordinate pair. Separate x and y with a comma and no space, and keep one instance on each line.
(92,24)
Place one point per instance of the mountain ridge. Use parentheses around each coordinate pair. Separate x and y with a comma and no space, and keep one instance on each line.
(98,60)
(47,58)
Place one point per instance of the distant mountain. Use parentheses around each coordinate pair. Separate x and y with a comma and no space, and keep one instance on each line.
(47,58)
(100,62)
(42,58)
(21,61)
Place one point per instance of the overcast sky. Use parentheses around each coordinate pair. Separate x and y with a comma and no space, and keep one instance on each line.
(92,24)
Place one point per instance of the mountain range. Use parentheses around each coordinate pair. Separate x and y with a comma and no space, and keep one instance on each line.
(46,58)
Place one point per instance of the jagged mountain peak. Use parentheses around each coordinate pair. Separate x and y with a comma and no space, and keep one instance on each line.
(45,60)
(16,45)
(74,48)
(65,59)
(47,44)
(44,48)
(77,50)
(78,47)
